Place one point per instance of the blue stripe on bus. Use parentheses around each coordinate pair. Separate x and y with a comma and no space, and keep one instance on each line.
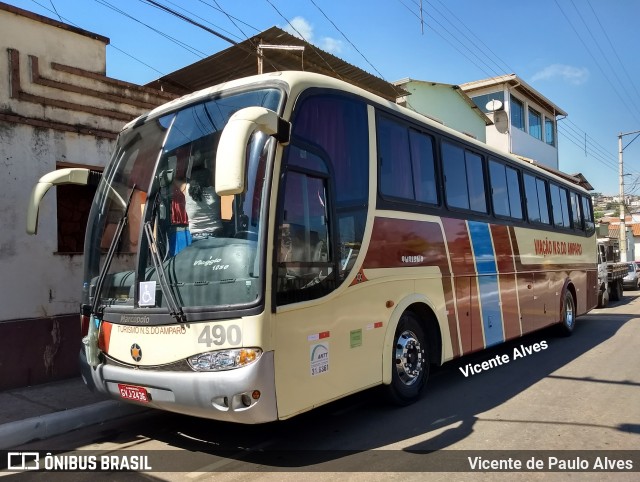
(487,282)
(482,248)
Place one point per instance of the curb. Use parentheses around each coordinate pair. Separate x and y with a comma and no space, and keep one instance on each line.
(41,427)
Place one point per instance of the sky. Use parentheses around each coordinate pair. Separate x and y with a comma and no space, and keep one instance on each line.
(580,54)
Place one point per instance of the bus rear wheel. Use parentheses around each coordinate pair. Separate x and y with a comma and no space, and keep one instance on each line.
(568,321)
(410,361)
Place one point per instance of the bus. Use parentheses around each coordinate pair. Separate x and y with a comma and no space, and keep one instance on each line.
(354,243)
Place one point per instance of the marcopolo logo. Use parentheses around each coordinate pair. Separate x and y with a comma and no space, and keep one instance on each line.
(23,461)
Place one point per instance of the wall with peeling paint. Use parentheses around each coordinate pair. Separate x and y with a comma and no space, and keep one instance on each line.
(35,282)
(56,106)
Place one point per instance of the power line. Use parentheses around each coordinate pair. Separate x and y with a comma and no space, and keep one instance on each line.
(478,39)
(584,44)
(471,42)
(397,91)
(188,20)
(613,49)
(200,18)
(579,142)
(55,9)
(594,150)
(595,41)
(576,140)
(599,147)
(230,17)
(447,41)
(185,46)
(346,38)
(232,21)
(302,37)
(111,45)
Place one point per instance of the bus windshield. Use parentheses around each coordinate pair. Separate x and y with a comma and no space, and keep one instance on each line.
(158,234)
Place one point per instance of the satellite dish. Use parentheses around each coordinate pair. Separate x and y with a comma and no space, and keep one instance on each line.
(493,105)
(501,121)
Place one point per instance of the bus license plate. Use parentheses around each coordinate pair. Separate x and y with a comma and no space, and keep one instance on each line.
(131,392)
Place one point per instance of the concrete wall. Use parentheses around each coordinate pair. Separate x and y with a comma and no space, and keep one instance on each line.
(442,102)
(56,106)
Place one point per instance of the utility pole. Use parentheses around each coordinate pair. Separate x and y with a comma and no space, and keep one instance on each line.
(623,227)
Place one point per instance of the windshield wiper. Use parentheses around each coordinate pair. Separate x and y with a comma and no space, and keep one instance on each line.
(174,308)
(112,249)
(91,340)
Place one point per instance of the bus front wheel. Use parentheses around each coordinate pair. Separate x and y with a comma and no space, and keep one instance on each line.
(410,361)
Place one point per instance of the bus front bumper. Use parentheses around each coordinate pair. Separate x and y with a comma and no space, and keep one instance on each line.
(225,395)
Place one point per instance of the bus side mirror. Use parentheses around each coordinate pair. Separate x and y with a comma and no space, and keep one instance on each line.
(74,175)
(232,148)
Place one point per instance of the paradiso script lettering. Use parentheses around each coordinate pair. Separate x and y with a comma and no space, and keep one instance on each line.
(548,247)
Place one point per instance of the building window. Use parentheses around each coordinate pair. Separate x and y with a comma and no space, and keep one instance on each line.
(482,100)
(535,123)
(73,203)
(549,132)
(517,113)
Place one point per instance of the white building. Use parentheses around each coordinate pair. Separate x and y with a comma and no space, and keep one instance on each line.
(57,109)
(524,121)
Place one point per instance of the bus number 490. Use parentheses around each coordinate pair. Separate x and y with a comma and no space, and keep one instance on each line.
(219,335)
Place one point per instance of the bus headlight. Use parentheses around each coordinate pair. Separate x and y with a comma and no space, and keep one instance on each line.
(224,359)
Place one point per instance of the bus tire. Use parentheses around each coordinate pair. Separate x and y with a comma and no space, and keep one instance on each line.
(568,320)
(410,360)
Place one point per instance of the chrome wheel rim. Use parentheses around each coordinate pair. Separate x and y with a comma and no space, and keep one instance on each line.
(568,313)
(408,355)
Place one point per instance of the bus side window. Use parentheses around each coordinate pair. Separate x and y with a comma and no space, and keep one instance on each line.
(505,190)
(536,193)
(464,178)
(576,215)
(424,172)
(587,213)
(395,159)
(559,206)
(542,201)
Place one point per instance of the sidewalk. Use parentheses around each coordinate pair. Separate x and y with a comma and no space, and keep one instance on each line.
(51,409)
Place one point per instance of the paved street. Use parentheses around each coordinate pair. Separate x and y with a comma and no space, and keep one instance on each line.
(580,393)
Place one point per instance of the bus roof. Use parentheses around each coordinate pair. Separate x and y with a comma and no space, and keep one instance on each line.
(297,81)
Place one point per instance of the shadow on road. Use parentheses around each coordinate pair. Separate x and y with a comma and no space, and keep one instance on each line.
(347,431)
